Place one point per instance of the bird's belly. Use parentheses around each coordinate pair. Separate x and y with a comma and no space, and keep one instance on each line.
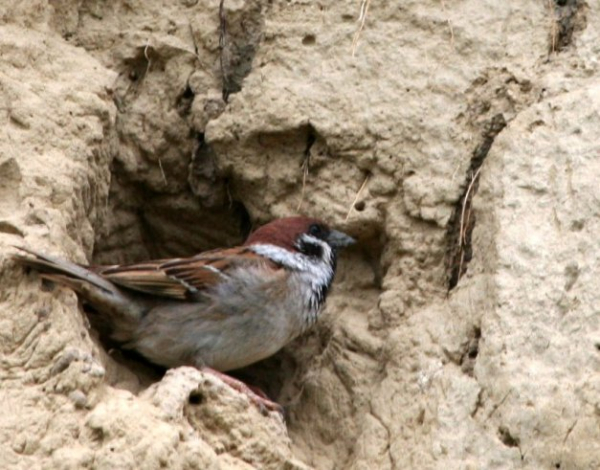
(222,341)
(245,342)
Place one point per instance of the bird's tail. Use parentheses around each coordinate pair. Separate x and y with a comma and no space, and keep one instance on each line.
(101,294)
(62,271)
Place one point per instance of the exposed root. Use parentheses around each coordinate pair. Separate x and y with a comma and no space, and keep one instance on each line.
(465,219)
(362,18)
(222,34)
(568,18)
(305,167)
(162,171)
(362,186)
(553,27)
(147,57)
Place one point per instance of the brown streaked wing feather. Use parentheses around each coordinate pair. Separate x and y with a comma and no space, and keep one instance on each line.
(181,278)
(207,269)
(146,277)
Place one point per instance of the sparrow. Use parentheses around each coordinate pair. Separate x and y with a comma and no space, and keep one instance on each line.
(219,310)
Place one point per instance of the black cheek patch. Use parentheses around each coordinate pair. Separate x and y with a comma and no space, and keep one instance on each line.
(311,249)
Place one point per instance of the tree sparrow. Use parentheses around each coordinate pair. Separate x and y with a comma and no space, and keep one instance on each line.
(219,310)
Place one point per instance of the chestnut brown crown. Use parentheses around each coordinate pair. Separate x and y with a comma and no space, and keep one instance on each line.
(288,232)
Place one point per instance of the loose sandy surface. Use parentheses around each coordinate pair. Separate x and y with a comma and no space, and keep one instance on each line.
(458,141)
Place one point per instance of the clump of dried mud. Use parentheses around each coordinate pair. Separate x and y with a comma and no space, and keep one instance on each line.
(458,144)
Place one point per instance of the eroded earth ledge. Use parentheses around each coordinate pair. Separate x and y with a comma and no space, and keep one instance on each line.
(145,129)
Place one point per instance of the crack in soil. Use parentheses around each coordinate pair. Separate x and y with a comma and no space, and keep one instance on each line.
(461,225)
(569,18)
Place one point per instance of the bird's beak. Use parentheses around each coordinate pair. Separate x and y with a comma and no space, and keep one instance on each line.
(339,239)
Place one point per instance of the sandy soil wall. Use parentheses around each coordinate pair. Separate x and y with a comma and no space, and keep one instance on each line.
(456,140)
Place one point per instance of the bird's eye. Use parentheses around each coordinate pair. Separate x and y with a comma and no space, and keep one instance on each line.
(315,230)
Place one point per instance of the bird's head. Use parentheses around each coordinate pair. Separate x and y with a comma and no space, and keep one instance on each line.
(307,247)
(305,235)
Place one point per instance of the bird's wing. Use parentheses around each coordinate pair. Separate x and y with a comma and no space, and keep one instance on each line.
(183,278)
